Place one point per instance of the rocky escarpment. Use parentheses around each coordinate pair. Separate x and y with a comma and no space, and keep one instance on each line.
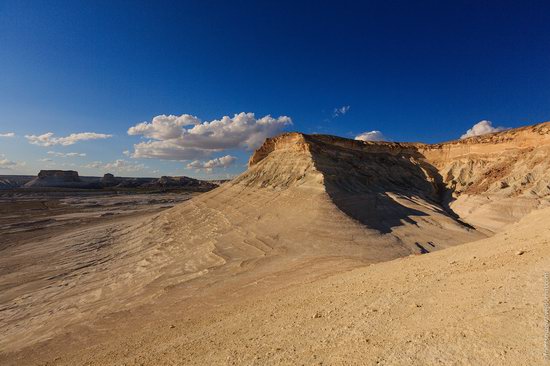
(495,179)
(513,162)
(387,187)
(488,181)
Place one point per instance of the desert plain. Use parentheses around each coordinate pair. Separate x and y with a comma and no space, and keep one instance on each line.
(326,251)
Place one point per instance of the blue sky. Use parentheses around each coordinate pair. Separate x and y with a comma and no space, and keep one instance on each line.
(416,71)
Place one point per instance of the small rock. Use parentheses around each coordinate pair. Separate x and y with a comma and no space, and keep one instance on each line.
(520,252)
(317,315)
(172,326)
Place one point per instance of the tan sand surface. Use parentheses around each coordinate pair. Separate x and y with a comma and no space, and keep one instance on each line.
(309,257)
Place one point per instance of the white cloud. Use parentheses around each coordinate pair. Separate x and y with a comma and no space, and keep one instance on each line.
(66,155)
(94,165)
(168,150)
(482,128)
(341,111)
(171,141)
(164,127)
(6,164)
(48,139)
(45,160)
(118,165)
(7,134)
(371,136)
(221,162)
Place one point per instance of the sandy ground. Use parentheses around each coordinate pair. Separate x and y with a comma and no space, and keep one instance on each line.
(326,251)
(56,243)
(26,215)
(479,303)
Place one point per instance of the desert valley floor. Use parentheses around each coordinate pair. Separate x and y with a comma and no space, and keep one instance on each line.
(326,251)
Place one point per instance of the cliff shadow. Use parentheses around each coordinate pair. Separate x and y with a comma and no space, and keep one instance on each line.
(375,210)
(361,181)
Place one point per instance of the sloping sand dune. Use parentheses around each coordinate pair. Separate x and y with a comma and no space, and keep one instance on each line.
(253,271)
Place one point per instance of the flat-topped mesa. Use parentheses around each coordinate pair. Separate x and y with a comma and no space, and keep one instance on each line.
(65,175)
(300,142)
(339,164)
(477,164)
(384,187)
(55,178)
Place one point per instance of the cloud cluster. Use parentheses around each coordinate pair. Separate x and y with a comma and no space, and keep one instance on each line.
(6,164)
(170,139)
(482,128)
(371,136)
(66,155)
(48,139)
(221,162)
(7,134)
(341,111)
(164,127)
(118,165)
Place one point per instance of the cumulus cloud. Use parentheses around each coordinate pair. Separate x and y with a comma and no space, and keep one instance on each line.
(7,164)
(482,128)
(341,111)
(164,127)
(118,165)
(221,162)
(48,139)
(94,165)
(168,150)
(66,155)
(371,136)
(171,140)
(7,134)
